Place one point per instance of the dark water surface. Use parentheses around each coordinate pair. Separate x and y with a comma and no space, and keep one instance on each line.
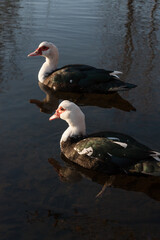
(35,203)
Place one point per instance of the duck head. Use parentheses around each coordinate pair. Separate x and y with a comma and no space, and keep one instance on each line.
(50,52)
(45,49)
(73,115)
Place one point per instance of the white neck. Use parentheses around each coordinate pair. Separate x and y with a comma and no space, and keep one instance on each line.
(49,65)
(74,129)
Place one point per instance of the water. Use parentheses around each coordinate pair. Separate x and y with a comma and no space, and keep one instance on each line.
(35,202)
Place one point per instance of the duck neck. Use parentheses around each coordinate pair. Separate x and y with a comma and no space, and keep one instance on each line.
(48,66)
(74,131)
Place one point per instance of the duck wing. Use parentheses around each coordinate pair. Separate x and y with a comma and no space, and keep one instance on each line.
(114,152)
(85,78)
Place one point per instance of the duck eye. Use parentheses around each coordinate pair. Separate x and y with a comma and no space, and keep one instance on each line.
(62,109)
(44,48)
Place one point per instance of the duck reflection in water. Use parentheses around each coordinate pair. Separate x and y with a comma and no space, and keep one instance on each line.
(137,182)
(50,103)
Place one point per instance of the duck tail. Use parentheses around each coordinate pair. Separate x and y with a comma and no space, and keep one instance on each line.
(115,73)
(155,155)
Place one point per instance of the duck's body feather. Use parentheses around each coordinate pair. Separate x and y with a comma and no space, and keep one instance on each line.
(84,78)
(110,152)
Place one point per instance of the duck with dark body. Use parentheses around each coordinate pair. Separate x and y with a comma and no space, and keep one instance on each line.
(76,77)
(109,152)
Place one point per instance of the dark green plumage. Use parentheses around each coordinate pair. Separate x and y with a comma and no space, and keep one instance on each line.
(84,78)
(111,152)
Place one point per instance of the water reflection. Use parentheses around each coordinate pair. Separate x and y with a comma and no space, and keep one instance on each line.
(52,99)
(137,182)
(8,23)
(39,216)
(128,44)
(152,41)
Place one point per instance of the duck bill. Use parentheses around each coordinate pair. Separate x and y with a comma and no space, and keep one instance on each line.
(35,53)
(54,116)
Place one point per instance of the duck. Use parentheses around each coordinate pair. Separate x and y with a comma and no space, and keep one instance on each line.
(109,152)
(76,77)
